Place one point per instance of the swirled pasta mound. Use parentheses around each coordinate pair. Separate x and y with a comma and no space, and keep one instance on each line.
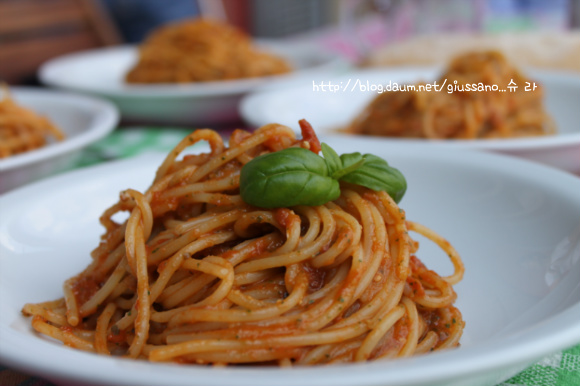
(196,275)
(201,50)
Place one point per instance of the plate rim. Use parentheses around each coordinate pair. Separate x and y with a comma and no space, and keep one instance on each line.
(49,70)
(105,114)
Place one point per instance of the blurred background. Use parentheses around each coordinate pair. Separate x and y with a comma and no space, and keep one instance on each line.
(371,32)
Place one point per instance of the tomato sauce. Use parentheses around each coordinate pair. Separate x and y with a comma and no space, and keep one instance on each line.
(309,136)
(285,217)
(436,323)
(316,278)
(84,287)
(117,336)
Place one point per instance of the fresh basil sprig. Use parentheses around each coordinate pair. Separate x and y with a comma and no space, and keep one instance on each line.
(296,176)
(293,176)
(374,173)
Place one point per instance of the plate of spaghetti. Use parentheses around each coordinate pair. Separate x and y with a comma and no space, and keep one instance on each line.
(190,72)
(42,131)
(479,100)
(275,259)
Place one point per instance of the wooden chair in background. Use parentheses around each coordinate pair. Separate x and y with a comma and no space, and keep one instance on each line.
(33,31)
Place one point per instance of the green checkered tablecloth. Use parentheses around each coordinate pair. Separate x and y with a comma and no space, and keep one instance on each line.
(560,369)
(129,142)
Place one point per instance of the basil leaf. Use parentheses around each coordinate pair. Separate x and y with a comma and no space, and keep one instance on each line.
(296,176)
(350,159)
(332,159)
(376,174)
(342,172)
(290,177)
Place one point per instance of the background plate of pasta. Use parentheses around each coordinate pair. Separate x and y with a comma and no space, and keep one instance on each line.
(191,72)
(468,278)
(478,101)
(42,131)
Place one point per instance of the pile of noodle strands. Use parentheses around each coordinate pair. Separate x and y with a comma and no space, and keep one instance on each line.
(462,114)
(195,275)
(22,129)
(201,50)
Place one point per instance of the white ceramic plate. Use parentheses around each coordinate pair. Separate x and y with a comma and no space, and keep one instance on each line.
(515,223)
(329,110)
(84,120)
(102,71)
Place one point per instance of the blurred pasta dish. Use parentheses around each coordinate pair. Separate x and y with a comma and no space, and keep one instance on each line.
(22,130)
(463,113)
(201,50)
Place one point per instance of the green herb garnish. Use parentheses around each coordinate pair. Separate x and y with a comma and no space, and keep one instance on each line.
(297,176)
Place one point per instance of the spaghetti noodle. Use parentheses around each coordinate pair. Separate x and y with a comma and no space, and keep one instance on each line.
(201,50)
(461,113)
(195,275)
(22,130)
